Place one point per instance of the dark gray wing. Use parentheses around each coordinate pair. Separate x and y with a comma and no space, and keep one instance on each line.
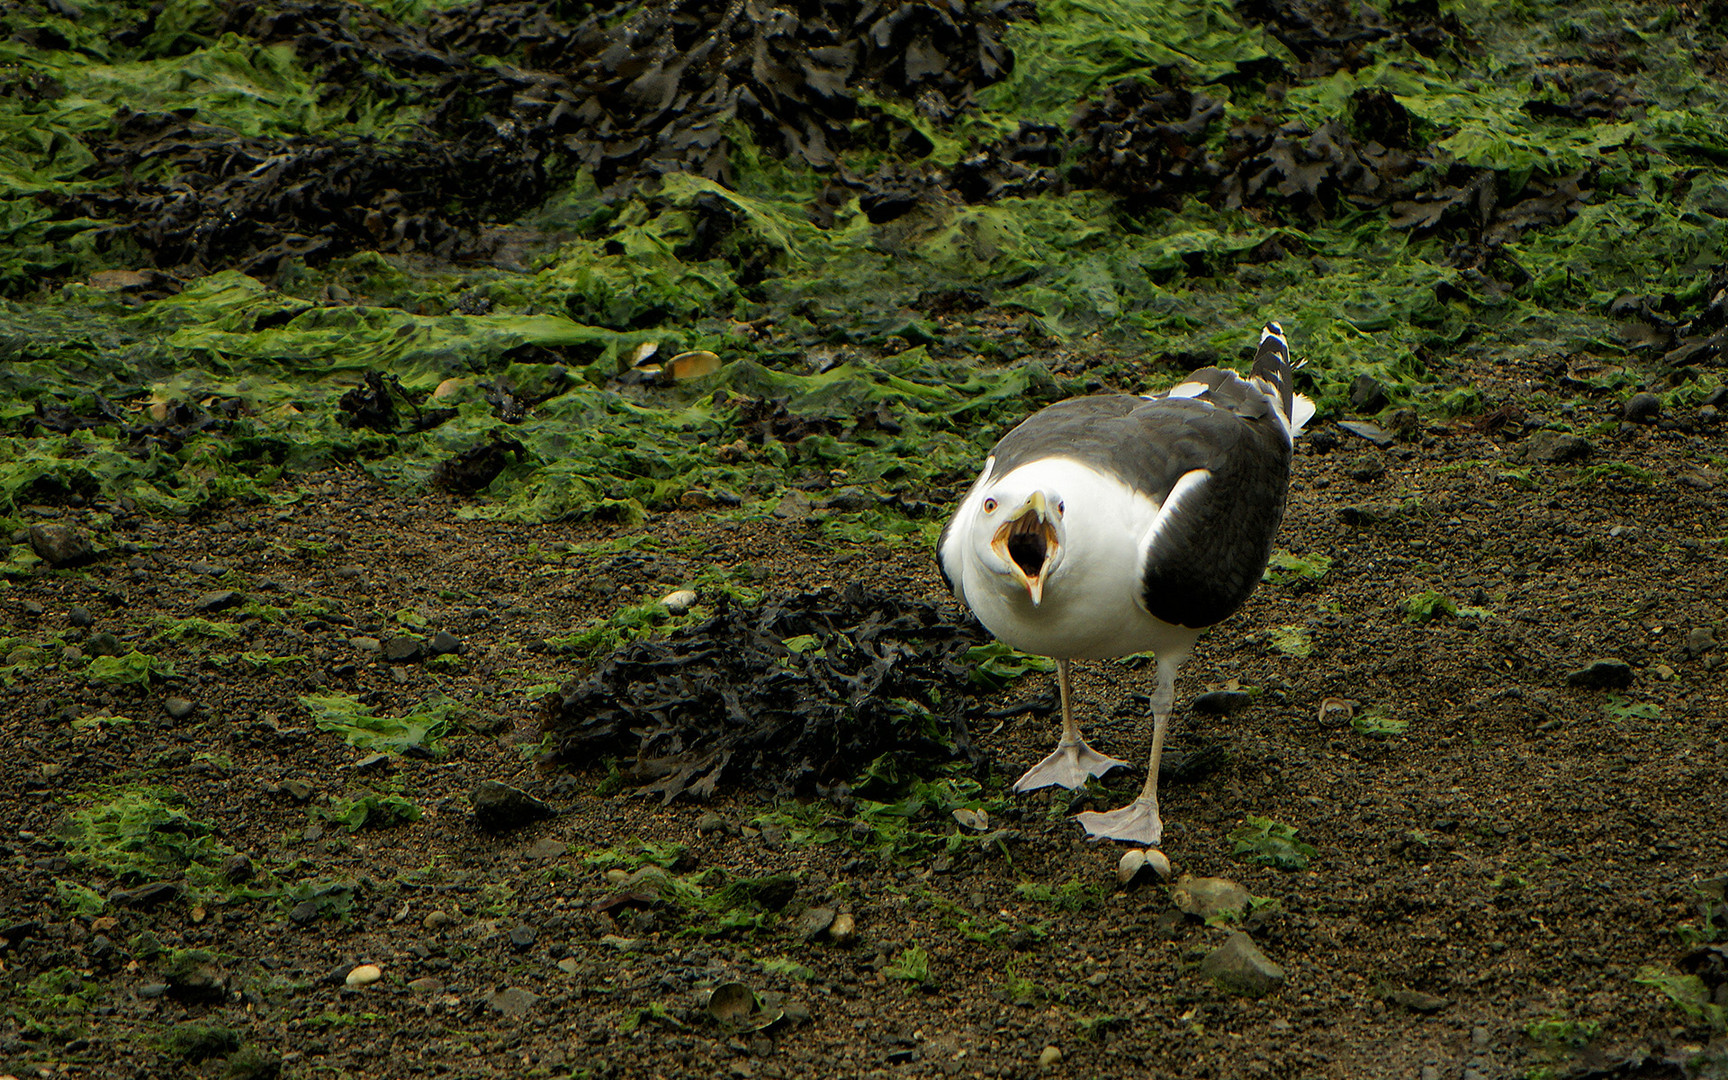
(1213,542)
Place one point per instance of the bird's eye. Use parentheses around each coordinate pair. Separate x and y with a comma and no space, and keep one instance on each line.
(1061,508)
(989,506)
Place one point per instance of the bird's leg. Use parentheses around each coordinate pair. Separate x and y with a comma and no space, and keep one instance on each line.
(1073,762)
(1138,822)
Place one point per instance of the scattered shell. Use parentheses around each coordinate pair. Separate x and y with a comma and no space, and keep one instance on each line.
(692,365)
(976,820)
(643,352)
(735,1008)
(1142,864)
(364,975)
(679,602)
(448,389)
(1344,707)
(843,929)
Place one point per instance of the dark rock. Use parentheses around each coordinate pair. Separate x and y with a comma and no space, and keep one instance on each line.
(61,545)
(512,1002)
(178,707)
(219,600)
(304,912)
(103,644)
(146,896)
(403,650)
(1700,640)
(1367,395)
(1220,702)
(523,936)
(208,569)
(1557,448)
(444,643)
(31,608)
(815,922)
(1365,469)
(373,763)
(498,807)
(16,932)
(1717,398)
(1643,409)
(298,790)
(236,868)
(80,616)
(1240,967)
(1323,440)
(1709,414)
(1604,674)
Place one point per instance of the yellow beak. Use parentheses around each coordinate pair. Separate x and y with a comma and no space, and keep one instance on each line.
(1029,536)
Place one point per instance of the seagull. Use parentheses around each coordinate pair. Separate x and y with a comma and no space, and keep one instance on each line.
(1116,524)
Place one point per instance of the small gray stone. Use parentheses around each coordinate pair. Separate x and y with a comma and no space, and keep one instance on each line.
(178,707)
(365,644)
(1557,448)
(512,1002)
(1700,640)
(1603,674)
(1209,897)
(1709,414)
(498,807)
(373,763)
(399,650)
(1220,702)
(1717,398)
(80,616)
(298,790)
(815,922)
(1240,967)
(426,984)
(31,608)
(219,600)
(104,644)
(1643,409)
(444,642)
(523,936)
(145,896)
(61,545)
(236,868)
(547,849)
(710,823)
(437,920)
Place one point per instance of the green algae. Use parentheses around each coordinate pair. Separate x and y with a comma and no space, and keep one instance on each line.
(818,324)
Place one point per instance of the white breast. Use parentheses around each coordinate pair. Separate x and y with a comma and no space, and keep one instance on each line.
(1093,606)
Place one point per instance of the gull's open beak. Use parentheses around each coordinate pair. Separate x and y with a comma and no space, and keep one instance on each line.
(1026,543)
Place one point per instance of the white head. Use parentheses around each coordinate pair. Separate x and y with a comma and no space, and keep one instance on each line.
(1017,533)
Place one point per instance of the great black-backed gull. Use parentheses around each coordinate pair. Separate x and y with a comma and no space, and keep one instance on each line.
(1117,524)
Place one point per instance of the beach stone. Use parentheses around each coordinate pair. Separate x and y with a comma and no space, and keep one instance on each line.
(80,615)
(1643,408)
(1603,674)
(61,545)
(364,975)
(1240,967)
(399,650)
(444,643)
(178,707)
(1557,448)
(815,922)
(498,807)
(1049,1056)
(1209,897)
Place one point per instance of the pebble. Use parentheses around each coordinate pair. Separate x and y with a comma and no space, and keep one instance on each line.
(1417,1001)
(1717,398)
(437,920)
(570,965)
(815,922)
(1220,702)
(178,707)
(512,1002)
(444,643)
(235,868)
(1209,897)
(403,650)
(373,763)
(547,848)
(498,807)
(679,602)
(1709,414)
(1049,1056)
(426,984)
(1240,967)
(1603,674)
(710,822)
(1364,469)
(104,644)
(1700,640)
(365,644)
(1374,433)
(80,616)
(1643,408)
(219,600)
(61,545)
(298,790)
(843,929)
(364,975)
(523,936)
(31,608)
(794,506)
(1557,448)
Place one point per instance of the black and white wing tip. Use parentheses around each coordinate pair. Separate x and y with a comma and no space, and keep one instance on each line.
(1272,364)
